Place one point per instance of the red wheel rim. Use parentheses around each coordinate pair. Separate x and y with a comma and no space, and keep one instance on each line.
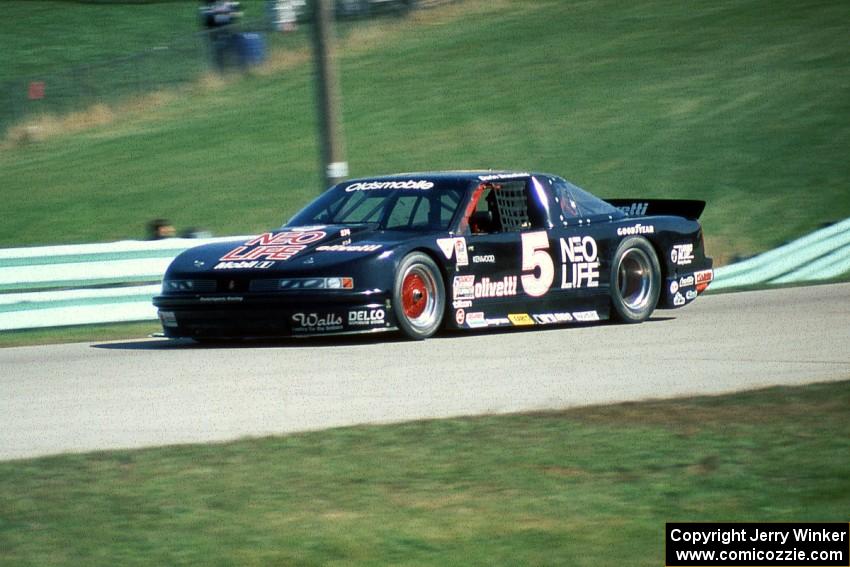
(414,295)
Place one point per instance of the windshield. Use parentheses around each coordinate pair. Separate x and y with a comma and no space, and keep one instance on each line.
(391,205)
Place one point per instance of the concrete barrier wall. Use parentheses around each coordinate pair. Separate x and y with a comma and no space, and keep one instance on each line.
(52,286)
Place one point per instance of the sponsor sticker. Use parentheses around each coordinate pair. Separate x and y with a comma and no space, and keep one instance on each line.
(486,259)
(366,317)
(690,294)
(421,184)
(349,248)
(686,281)
(682,254)
(466,288)
(496,321)
(635,209)
(520,319)
(461,257)
(678,300)
(500,288)
(703,278)
(316,322)
(551,318)
(460,317)
(476,320)
(454,247)
(580,265)
(255,264)
(636,229)
(461,304)
(274,246)
(498,176)
(447,245)
(674,286)
(585,316)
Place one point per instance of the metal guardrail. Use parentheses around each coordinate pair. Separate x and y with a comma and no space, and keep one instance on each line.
(52,286)
(821,255)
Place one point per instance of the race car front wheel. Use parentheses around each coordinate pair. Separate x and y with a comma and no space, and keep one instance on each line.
(418,296)
(635,280)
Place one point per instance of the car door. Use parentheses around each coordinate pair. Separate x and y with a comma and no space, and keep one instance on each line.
(509,266)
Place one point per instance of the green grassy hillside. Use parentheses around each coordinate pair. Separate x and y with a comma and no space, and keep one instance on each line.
(45,37)
(743,104)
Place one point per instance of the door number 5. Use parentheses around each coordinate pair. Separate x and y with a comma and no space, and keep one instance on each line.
(535,255)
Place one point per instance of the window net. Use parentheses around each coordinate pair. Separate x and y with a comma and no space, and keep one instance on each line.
(513,206)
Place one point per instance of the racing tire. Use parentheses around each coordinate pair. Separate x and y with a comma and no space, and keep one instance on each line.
(635,280)
(419,297)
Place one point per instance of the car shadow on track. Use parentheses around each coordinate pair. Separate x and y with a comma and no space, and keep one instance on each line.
(161,343)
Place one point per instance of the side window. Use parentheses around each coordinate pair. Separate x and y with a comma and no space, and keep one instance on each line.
(444,212)
(486,218)
(578,202)
(568,208)
(409,212)
(507,206)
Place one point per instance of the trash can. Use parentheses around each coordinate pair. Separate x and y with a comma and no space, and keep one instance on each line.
(251,48)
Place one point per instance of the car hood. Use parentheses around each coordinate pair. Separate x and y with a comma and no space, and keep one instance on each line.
(290,249)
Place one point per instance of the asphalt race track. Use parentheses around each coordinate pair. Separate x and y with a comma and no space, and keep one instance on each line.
(81,397)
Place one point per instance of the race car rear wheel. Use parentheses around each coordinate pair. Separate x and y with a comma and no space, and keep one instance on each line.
(635,280)
(418,296)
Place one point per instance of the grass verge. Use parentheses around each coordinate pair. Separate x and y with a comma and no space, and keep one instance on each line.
(590,486)
(78,333)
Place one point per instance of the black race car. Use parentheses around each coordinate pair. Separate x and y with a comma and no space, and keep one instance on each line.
(461,250)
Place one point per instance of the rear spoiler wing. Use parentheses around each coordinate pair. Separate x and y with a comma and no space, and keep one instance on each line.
(687,208)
